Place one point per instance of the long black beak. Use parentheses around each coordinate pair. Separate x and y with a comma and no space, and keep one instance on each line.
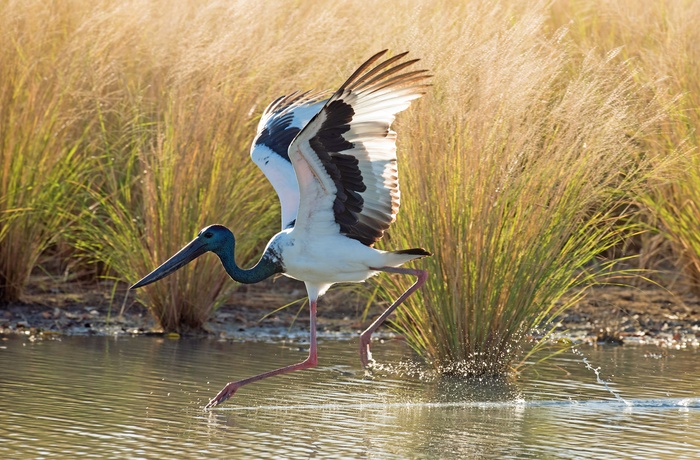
(194,249)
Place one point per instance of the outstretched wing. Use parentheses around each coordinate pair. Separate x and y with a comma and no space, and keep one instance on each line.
(345,157)
(281,121)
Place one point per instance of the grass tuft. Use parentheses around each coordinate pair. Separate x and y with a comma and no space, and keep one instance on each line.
(675,210)
(42,137)
(517,185)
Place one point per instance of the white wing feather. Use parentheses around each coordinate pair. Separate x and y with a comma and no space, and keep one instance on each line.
(345,157)
(279,124)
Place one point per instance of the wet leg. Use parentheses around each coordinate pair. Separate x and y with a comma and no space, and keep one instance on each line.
(309,362)
(366,336)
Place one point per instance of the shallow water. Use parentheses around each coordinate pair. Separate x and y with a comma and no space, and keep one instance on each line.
(142,397)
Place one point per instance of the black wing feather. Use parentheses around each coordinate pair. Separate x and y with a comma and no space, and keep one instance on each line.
(339,142)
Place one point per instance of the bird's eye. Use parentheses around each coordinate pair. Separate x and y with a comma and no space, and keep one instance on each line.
(208,234)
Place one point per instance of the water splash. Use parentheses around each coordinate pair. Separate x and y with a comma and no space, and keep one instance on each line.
(596,371)
(410,369)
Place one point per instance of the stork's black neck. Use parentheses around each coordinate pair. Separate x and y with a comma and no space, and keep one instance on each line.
(265,268)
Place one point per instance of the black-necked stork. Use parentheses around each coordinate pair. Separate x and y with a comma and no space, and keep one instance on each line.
(333,164)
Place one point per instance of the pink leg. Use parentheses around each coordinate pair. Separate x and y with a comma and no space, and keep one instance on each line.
(366,336)
(311,361)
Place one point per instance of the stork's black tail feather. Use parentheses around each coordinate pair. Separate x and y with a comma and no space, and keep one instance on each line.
(415,252)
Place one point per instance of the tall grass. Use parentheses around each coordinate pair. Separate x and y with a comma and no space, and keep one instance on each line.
(662,38)
(41,141)
(188,177)
(675,208)
(517,185)
(516,168)
(173,156)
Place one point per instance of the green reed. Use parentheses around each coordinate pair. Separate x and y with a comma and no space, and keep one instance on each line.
(660,37)
(518,184)
(43,133)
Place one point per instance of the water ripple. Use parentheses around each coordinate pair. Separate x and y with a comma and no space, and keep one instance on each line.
(144,397)
(601,406)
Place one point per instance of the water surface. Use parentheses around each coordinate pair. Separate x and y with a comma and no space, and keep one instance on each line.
(142,397)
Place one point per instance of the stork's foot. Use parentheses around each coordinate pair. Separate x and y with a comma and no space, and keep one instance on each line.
(223,395)
(365,354)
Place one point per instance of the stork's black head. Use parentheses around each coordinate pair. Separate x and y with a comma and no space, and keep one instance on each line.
(213,238)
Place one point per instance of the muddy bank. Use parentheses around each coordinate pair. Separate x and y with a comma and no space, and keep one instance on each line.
(610,314)
(616,314)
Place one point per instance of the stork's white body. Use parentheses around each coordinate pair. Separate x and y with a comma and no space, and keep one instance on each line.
(322,260)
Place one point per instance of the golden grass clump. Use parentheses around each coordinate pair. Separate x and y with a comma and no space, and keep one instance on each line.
(661,38)
(675,210)
(517,184)
(42,136)
(174,157)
